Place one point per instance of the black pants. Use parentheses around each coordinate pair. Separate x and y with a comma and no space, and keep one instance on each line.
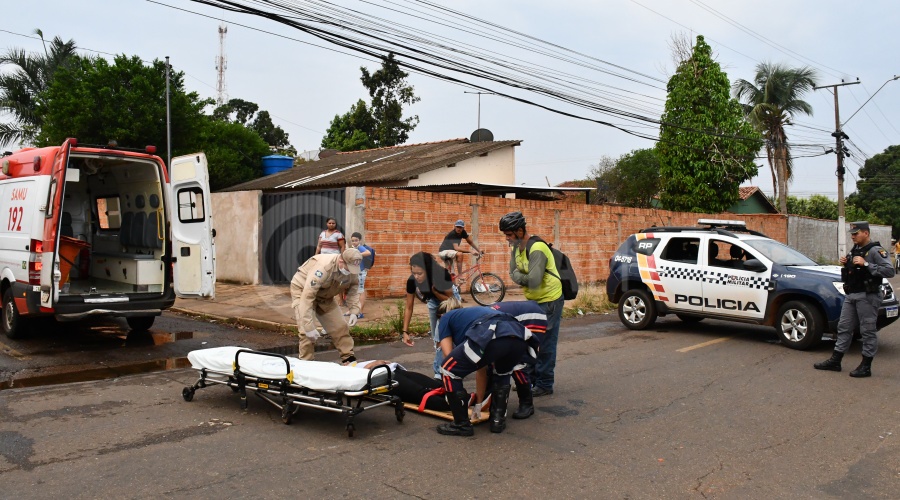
(504,353)
(414,386)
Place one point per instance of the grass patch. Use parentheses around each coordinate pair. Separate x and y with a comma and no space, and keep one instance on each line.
(390,325)
(591,300)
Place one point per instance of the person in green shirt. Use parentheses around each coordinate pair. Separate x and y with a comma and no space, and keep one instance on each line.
(531,265)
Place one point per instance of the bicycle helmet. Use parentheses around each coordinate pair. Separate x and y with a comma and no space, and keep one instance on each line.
(512,221)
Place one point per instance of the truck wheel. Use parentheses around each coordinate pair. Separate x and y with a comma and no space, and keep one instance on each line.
(12,324)
(636,310)
(799,325)
(140,323)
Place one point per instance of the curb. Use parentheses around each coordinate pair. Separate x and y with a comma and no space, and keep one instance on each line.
(258,324)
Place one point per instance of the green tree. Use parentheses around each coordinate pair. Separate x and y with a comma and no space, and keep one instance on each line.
(22,85)
(819,206)
(247,113)
(877,188)
(233,151)
(381,124)
(352,131)
(632,180)
(706,148)
(770,102)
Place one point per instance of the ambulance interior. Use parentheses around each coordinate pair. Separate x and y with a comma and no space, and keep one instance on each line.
(112,227)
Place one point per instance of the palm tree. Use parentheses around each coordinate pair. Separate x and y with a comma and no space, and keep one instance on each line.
(770,103)
(20,88)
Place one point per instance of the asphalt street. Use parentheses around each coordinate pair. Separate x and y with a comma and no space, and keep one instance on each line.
(711,410)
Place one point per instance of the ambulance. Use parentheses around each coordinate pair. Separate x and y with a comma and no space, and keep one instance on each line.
(102,231)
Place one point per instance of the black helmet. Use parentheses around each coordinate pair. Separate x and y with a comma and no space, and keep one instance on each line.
(512,221)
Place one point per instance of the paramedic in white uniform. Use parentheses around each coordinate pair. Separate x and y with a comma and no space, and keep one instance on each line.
(313,289)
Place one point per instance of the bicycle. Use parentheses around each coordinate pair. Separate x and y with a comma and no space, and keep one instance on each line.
(486,288)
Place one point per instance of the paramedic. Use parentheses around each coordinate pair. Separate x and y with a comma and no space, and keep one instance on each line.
(313,289)
(535,269)
(864,267)
(473,338)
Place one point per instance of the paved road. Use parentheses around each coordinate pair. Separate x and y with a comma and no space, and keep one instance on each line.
(712,410)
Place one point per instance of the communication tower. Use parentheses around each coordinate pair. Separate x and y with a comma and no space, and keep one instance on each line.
(221,66)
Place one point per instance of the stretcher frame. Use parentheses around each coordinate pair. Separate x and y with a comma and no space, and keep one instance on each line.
(289,397)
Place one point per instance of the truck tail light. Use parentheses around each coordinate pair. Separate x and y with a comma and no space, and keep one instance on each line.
(37,246)
(35,266)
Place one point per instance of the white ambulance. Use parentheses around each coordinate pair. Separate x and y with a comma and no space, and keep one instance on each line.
(101,231)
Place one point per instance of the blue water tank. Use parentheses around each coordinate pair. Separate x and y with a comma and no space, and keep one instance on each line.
(273,164)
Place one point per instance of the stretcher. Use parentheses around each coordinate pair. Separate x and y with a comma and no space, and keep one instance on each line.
(290,384)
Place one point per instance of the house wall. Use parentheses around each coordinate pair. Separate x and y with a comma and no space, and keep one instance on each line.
(817,238)
(237,218)
(400,223)
(498,167)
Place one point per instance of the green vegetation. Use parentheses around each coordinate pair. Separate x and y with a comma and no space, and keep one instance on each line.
(706,148)
(632,180)
(390,325)
(381,123)
(771,101)
(876,190)
(591,299)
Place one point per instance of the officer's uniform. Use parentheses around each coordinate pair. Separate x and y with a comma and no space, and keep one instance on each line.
(862,289)
(313,289)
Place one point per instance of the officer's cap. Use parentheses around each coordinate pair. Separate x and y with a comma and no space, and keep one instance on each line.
(856,227)
(352,258)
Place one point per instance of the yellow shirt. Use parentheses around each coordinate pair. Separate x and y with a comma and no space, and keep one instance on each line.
(550,288)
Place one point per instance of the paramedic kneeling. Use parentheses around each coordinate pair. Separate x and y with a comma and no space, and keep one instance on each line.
(478,337)
(313,289)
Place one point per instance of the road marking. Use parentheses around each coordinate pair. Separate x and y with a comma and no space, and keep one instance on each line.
(12,352)
(704,344)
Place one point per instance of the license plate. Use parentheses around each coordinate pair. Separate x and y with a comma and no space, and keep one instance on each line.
(891,311)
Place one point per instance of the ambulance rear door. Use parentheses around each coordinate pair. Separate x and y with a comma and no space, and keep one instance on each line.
(190,216)
(50,273)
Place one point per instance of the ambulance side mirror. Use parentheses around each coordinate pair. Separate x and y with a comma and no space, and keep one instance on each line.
(73,175)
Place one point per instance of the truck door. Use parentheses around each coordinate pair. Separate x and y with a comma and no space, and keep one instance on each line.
(50,273)
(190,215)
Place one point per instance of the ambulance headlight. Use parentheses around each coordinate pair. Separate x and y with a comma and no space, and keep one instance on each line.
(840,287)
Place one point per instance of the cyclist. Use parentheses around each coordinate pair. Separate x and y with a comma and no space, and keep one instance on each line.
(536,272)
(450,247)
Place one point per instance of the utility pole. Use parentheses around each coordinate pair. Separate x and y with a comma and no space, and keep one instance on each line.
(839,150)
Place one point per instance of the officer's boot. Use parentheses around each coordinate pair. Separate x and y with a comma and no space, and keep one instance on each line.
(461,425)
(832,364)
(499,404)
(864,369)
(526,402)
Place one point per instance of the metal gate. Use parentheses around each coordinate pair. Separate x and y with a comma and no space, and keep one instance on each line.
(291,226)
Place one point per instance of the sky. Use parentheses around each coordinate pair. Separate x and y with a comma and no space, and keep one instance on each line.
(620,48)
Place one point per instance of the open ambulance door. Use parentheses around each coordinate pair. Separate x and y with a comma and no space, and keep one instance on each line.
(50,273)
(190,216)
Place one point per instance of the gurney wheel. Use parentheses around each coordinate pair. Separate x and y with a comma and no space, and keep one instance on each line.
(187,393)
(243,402)
(350,429)
(286,414)
(399,412)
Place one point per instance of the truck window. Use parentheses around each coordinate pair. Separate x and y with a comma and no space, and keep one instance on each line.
(190,205)
(109,212)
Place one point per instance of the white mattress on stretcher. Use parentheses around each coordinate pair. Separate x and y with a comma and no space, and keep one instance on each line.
(315,375)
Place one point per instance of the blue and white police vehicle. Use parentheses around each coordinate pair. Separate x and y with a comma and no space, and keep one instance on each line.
(723,270)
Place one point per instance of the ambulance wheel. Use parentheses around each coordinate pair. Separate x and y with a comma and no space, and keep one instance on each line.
(187,393)
(12,323)
(140,323)
(637,310)
(286,414)
(350,429)
(689,319)
(799,325)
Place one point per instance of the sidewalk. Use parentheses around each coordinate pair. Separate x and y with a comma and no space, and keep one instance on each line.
(268,307)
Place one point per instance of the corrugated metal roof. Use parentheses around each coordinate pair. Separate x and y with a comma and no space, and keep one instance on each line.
(382,166)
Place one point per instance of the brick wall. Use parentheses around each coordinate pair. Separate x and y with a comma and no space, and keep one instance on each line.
(400,223)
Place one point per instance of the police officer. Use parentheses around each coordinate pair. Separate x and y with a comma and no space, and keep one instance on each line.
(313,289)
(862,275)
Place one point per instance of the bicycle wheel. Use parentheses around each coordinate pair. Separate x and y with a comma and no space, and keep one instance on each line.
(487,289)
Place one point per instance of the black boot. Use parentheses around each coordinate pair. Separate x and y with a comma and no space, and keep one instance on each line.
(832,364)
(526,402)
(499,403)
(864,369)
(461,425)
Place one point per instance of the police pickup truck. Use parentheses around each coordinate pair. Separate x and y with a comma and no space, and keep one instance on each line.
(725,271)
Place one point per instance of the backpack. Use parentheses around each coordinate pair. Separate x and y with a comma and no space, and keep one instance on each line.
(563,266)
(368,260)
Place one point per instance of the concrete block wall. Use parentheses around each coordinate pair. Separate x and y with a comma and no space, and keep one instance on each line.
(817,238)
(399,223)
(237,217)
